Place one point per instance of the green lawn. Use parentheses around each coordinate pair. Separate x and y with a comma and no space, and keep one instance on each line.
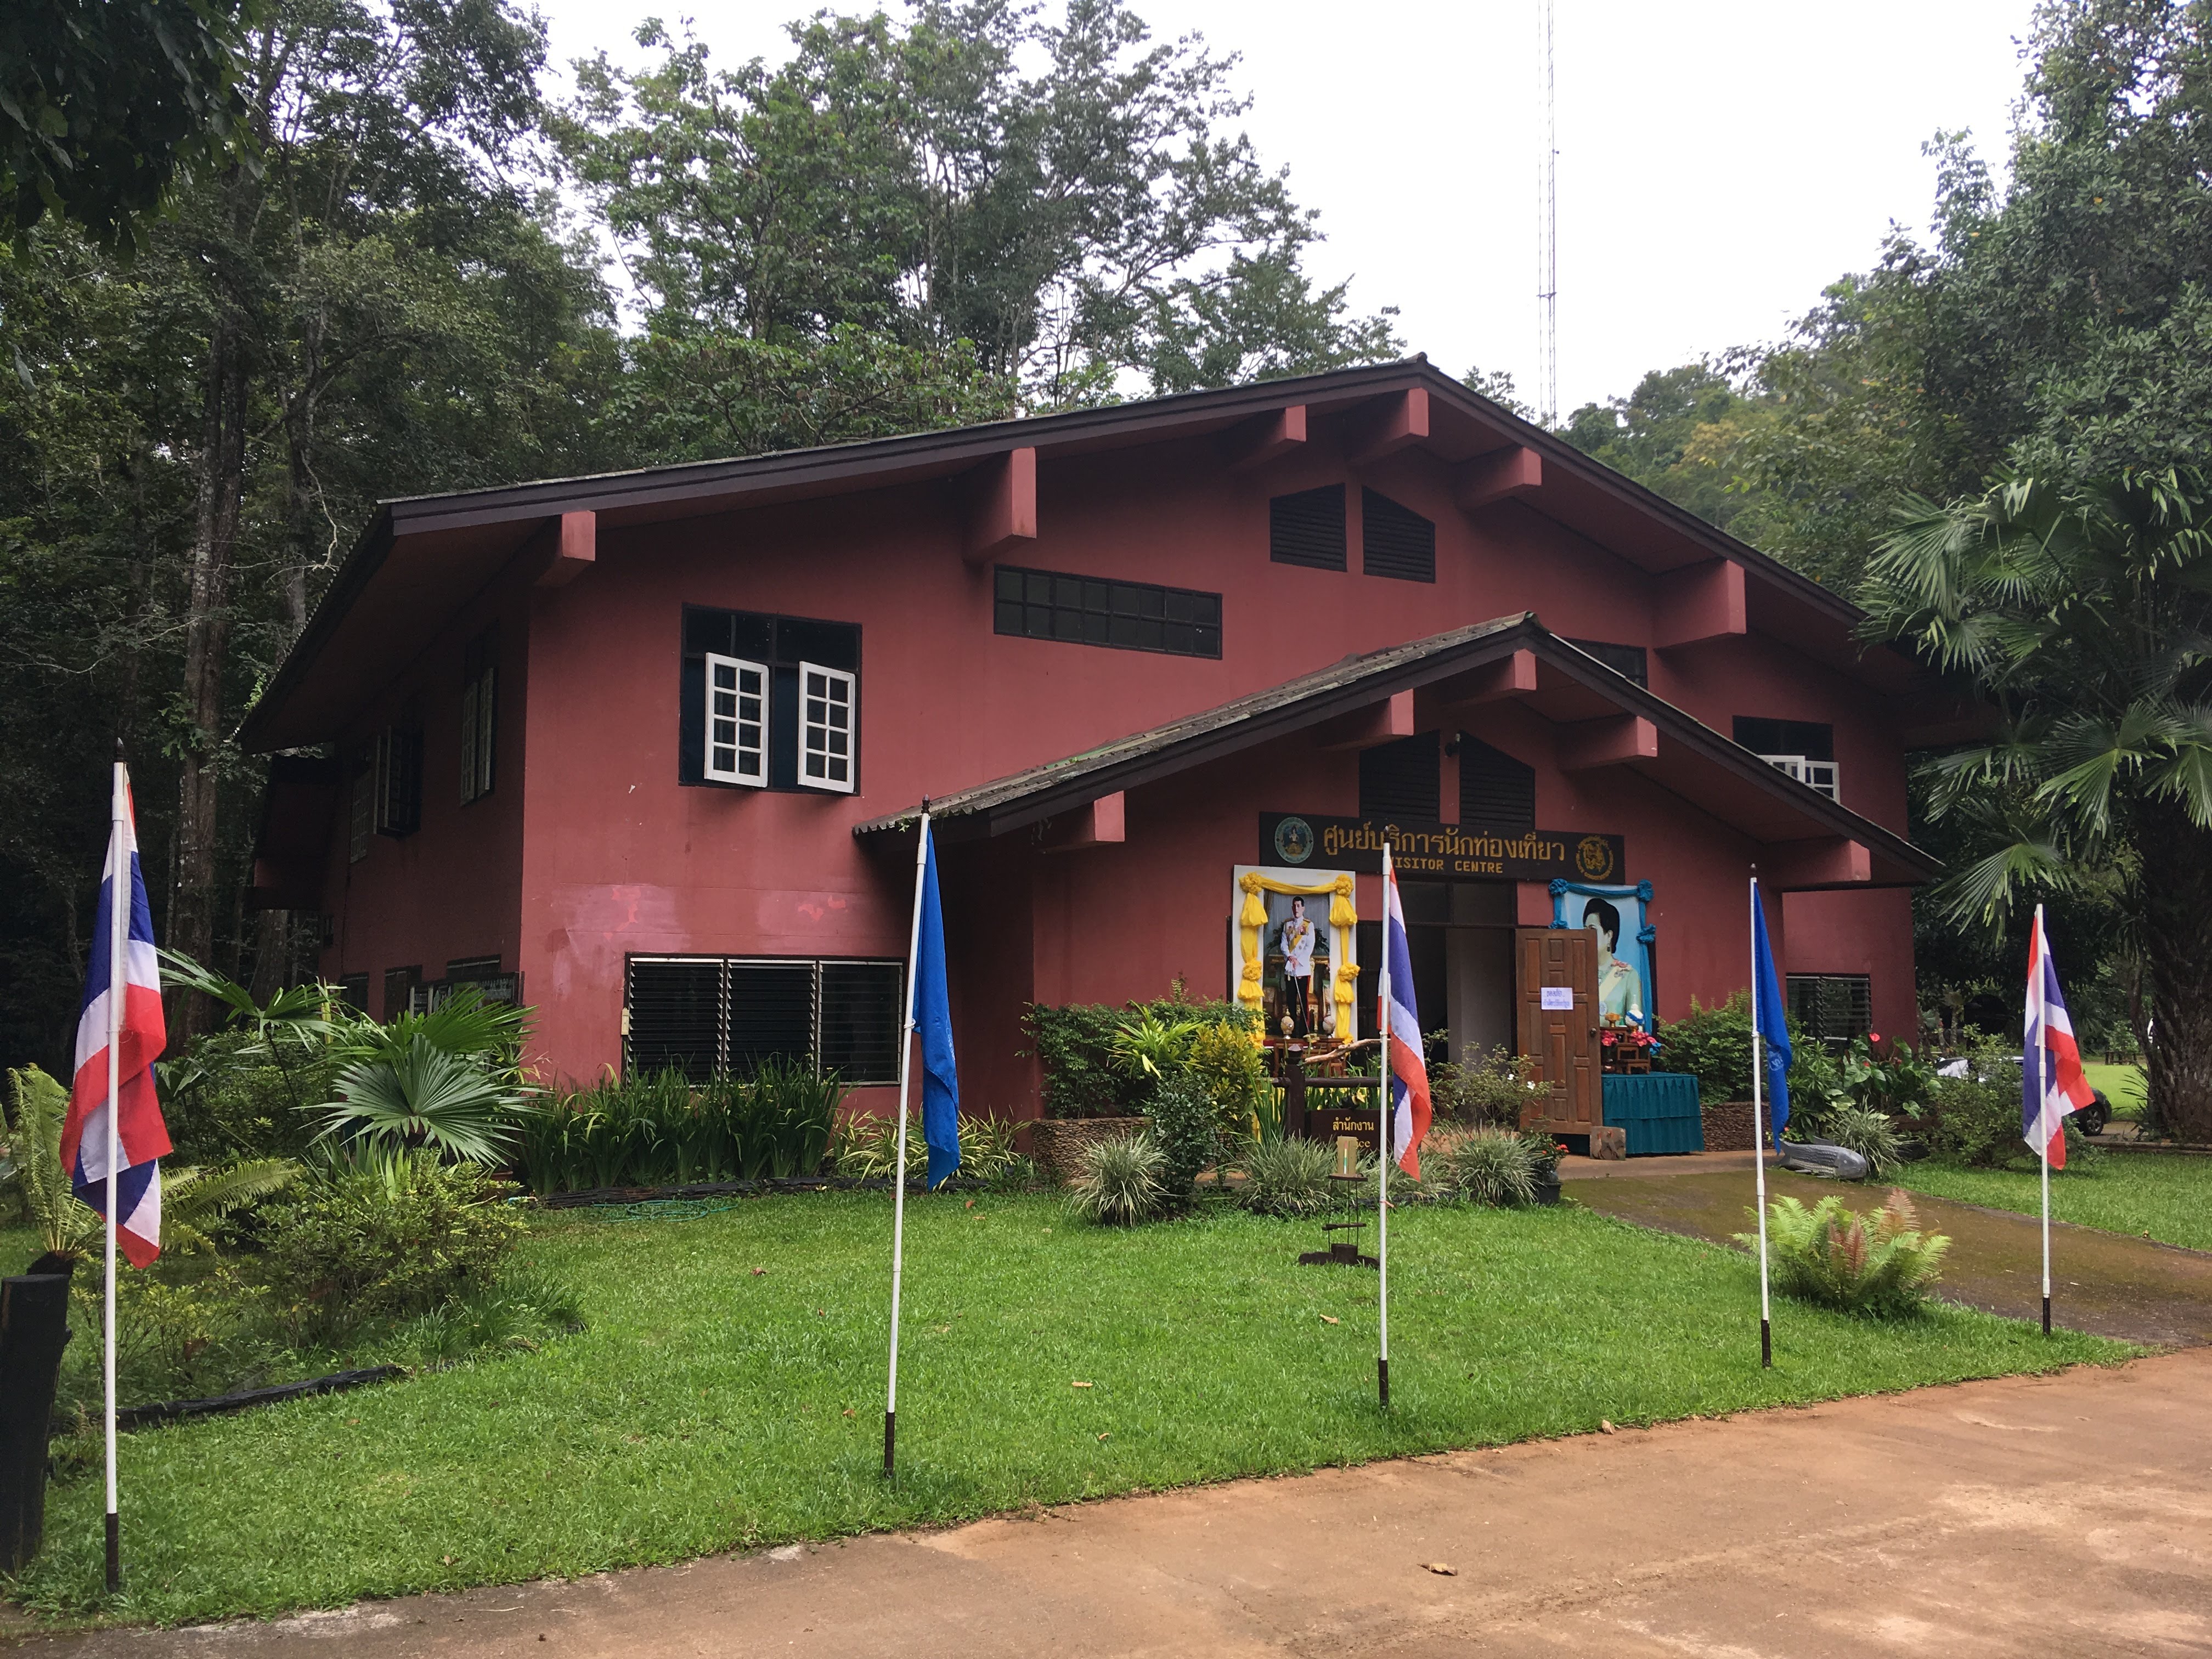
(708,1406)
(2122,1085)
(2167,1196)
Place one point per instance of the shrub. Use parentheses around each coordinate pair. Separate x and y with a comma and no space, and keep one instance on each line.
(1975,1119)
(1487,1165)
(1714,1046)
(1864,1131)
(1878,1264)
(1222,1059)
(229,1095)
(1287,1178)
(1482,1088)
(1074,1045)
(1186,1132)
(660,1131)
(1121,1181)
(387,1244)
(865,1146)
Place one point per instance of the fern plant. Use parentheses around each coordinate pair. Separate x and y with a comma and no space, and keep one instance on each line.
(1881,1263)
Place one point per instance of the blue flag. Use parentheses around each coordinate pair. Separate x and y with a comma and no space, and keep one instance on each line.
(1773,1018)
(933,1023)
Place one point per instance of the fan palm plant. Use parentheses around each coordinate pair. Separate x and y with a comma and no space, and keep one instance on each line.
(2082,612)
(398,1097)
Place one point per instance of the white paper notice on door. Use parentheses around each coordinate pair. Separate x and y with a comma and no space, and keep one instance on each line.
(1561,997)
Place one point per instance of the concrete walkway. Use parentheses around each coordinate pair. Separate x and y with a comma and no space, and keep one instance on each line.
(2067,1514)
(2105,1283)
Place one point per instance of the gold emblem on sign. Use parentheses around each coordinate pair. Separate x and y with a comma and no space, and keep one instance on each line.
(1594,857)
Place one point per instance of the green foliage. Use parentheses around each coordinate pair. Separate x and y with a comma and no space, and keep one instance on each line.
(1151,1046)
(1880,1264)
(1662,435)
(660,1131)
(355,1248)
(1121,1181)
(37,1107)
(1187,1128)
(1974,1120)
(1870,1133)
(1224,1062)
(1074,1046)
(1713,1044)
(1287,1178)
(1483,1088)
(195,1201)
(1485,1165)
(1825,1080)
(865,1146)
(423,1096)
(102,105)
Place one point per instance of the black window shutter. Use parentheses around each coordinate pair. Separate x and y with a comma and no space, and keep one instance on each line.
(675,1018)
(1307,528)
(1403,779)
(1496,791)
(771,1014)
(1814,739)
(862,1012)
(1631,662)
(1395,541)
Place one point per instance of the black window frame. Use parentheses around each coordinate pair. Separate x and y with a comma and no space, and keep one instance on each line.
(1307,528)
(830,988)
(1808,739)
(479,716)
(1395,542)
(1830,1008)
(1105,611)
(397,791)
(1631,662)
(781,644)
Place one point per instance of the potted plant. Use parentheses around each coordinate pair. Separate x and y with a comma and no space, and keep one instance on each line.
(1544,1154)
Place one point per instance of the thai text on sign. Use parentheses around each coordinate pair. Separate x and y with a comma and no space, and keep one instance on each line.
(1435,851)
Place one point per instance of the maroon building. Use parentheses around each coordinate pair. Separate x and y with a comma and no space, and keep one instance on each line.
(654,742)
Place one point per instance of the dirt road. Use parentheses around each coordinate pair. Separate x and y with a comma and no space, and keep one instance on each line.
(2069,1514)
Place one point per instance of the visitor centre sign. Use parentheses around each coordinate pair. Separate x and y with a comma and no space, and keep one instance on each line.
(1441,851)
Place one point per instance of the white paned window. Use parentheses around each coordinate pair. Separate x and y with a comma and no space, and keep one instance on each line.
(826,728)
(737,721)
(1821,775)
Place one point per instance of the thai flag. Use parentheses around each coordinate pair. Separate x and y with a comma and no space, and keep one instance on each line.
(2051,1083)
(142,1138)
(1409,1072)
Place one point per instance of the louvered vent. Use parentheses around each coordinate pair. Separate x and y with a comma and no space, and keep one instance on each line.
(1496,791)
(771,1014)
(675,1017)
(1403,779)
(860,1017)
(1307,528)
(1395,541)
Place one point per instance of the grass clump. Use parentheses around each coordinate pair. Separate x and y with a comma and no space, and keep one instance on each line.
(1880,1264)
(1488,1165)
(1287,1178)
(1119,1180)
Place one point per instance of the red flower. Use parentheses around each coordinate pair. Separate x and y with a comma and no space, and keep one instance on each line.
(1874,1036)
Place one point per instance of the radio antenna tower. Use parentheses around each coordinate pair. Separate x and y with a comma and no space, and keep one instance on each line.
(1548,231)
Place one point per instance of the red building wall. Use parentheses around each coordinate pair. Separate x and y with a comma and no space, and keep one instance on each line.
(618,857)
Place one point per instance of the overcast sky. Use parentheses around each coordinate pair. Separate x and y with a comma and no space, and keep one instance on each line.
(1720,160)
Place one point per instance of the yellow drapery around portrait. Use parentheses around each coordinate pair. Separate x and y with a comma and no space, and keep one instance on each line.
(1252,920)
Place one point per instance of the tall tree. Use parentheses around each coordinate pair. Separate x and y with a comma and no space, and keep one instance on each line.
(2082,610)
(917,195)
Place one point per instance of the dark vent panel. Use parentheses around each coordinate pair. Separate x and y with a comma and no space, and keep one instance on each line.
(1395,541)
(1308,529)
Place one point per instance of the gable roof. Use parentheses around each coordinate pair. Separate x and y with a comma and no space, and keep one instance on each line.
(421,557)
(1710,771)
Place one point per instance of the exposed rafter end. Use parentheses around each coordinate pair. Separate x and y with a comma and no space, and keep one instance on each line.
(574,539)
(1616,740)
(1704,602)
(1398,422)
(1101,823)
(1268,437)
(1829,861)
(1501,475)
(1367,728)
(1002,510)
(1513,676)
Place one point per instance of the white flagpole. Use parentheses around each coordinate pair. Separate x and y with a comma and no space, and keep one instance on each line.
(1758,1131)
(2035,1001)
(898,1170)
(118,941)
(1382,1163)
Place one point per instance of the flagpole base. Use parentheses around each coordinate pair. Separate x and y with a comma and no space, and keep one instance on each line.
(890,1442)
(1766,1346)
(2046,1316)
(114,1553)
(1383,1382)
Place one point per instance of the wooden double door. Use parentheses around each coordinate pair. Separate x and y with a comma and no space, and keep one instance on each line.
(1560,1029)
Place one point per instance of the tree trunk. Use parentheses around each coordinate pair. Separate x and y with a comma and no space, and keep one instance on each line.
(2176,900)
(207,650)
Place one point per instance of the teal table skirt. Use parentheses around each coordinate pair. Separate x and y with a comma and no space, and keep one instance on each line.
(1659,1110)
